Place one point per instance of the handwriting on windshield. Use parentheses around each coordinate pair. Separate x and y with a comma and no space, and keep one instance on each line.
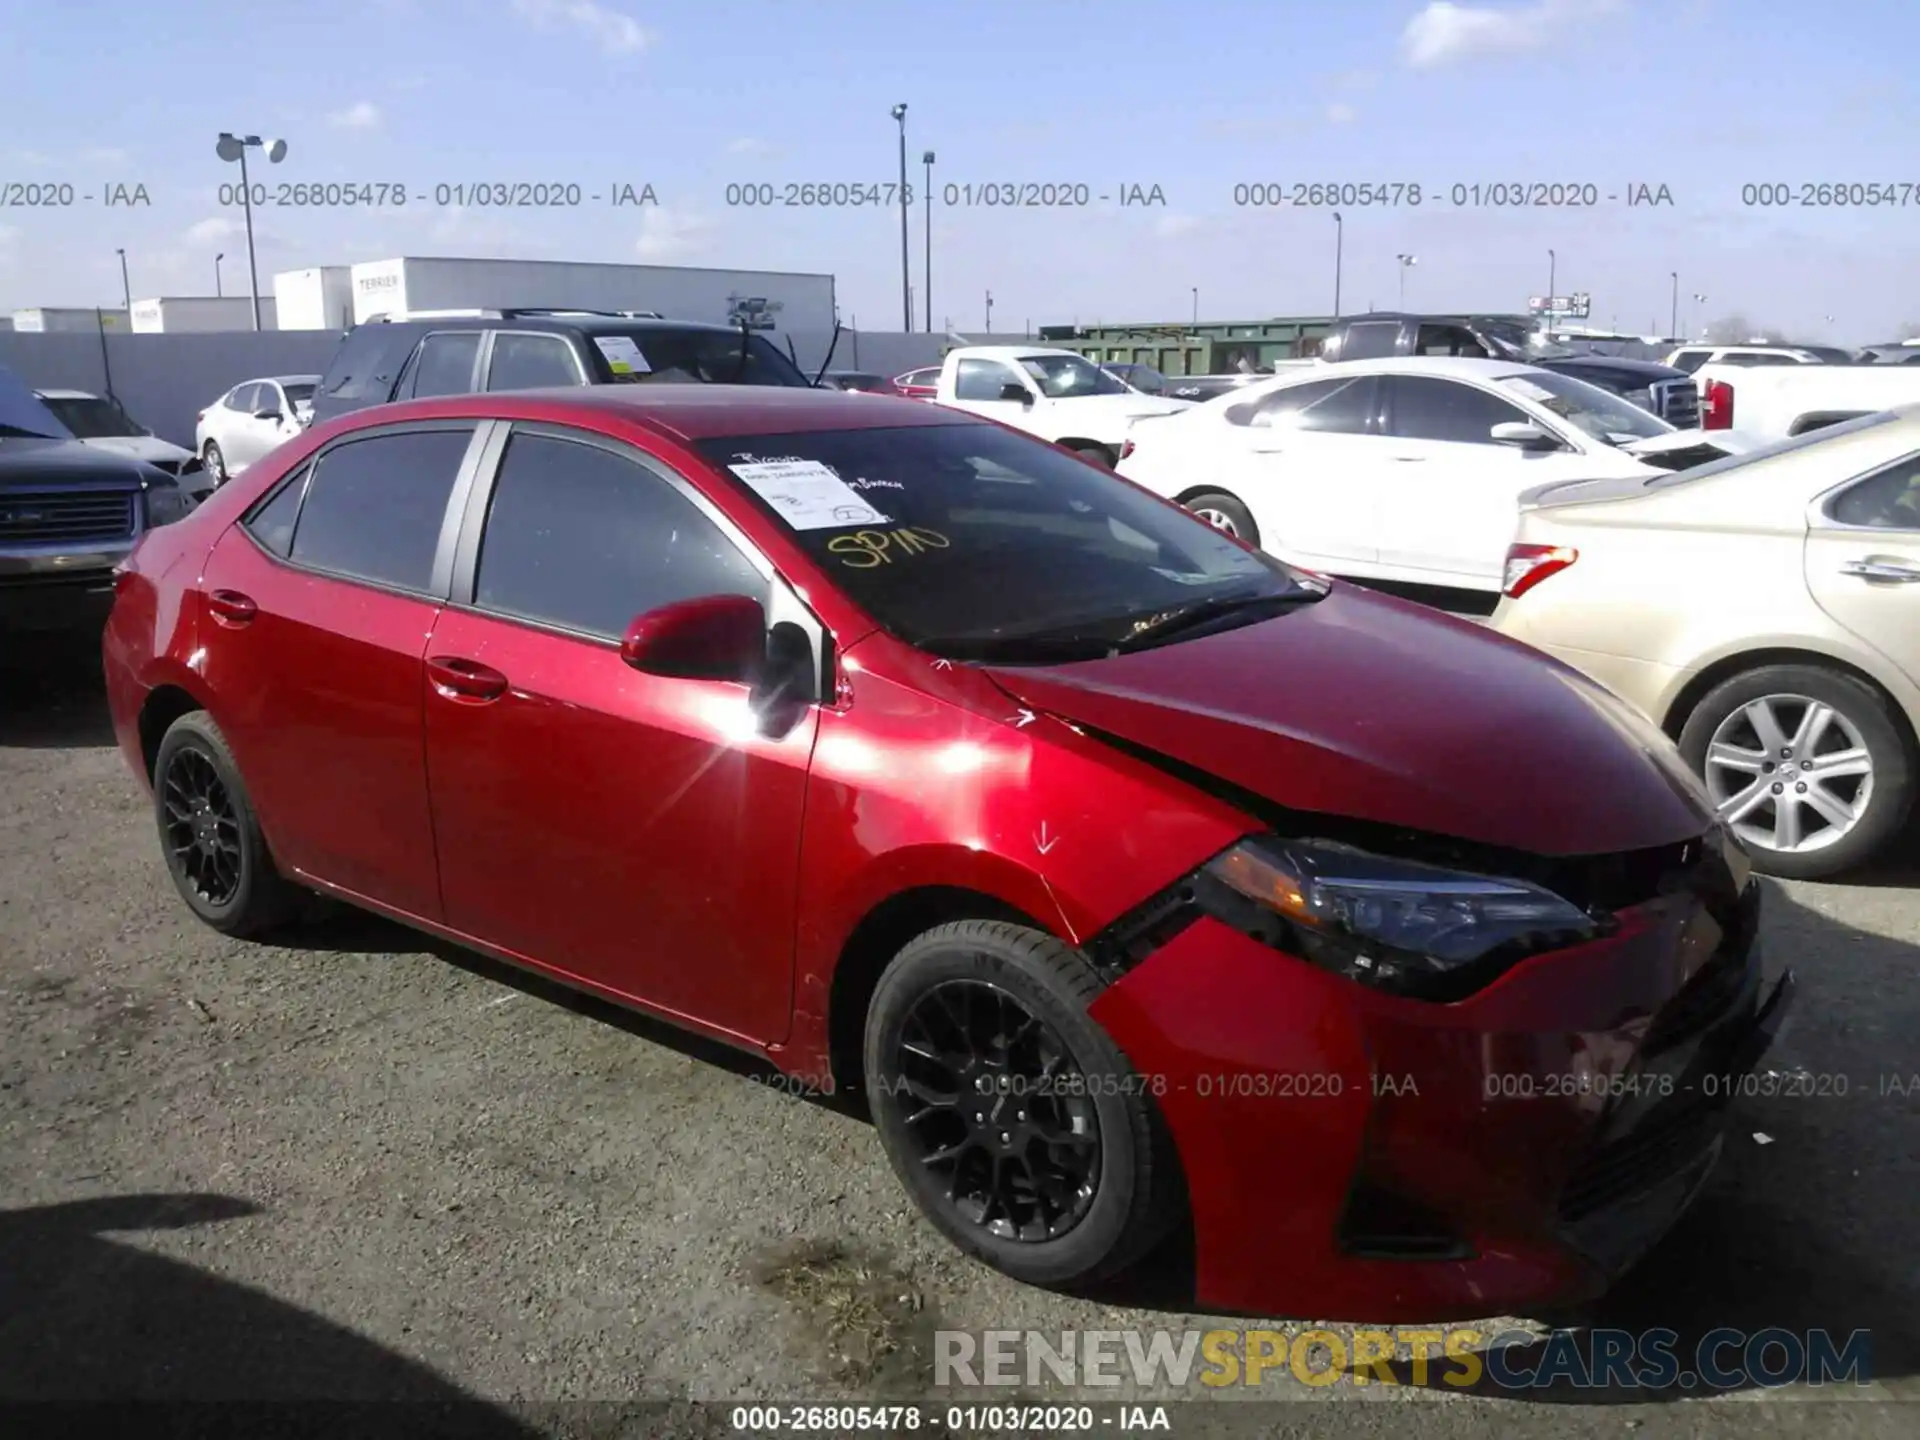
(864,549)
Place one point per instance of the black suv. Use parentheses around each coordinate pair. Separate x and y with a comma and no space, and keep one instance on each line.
(383,360)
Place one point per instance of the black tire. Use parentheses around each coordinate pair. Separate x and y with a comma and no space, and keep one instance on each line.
(1098,454)
(1859,705)
(257,899)
(1136,1185)
(215,463)
(1239,519)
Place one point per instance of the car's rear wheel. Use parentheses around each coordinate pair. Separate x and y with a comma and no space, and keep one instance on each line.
(1225,512)
(1807,765)
(215,463)
(1013,1120)
(209,834)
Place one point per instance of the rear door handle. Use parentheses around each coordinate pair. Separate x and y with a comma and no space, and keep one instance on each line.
(230,607)
(1881,570)
(460,679)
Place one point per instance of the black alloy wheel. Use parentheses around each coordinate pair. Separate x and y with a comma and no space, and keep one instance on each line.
(998,1111)
(202,828)
(1018,1126)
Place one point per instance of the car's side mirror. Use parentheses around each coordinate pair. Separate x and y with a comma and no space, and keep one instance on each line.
(1524,435)
(266,415)
(715,637)
(1013,391)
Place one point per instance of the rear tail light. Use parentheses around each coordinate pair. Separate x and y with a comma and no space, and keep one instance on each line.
(1528,565)
(1717,412)
(1126,448)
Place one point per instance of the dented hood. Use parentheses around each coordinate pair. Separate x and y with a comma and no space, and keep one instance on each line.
(1377,709)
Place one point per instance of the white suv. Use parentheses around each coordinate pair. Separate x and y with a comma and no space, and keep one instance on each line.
(1691,357)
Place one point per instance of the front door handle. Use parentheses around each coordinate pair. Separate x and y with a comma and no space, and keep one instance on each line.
(1884,570)
(466,680)
(230,607)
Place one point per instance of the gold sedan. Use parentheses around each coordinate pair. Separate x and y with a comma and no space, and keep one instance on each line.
(1765,612)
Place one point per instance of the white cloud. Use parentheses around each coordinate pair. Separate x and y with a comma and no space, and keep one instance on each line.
(33,158)
(747,145)
(1341,114)
(104,155)
(669,235)
(363,115)
(215,229)
(1170,226)
(614,32)
(1444,33)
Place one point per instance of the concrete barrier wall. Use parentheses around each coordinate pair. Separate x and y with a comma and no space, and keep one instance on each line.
(164,381)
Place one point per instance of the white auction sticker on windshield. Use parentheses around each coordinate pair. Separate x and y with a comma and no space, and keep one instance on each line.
(623,356)
(808,495)
(1529,389)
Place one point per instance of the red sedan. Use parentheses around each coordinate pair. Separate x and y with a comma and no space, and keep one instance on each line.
(921,384)
(1137,879)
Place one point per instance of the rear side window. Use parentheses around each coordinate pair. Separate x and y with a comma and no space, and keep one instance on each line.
(531,362)
(1324,407)
(374,507)
(1887,501)
(272,523)
(1370,341)
(444,364)
(580,537)
(242,398)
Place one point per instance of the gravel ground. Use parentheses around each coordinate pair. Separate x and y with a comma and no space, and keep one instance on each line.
(365,1166)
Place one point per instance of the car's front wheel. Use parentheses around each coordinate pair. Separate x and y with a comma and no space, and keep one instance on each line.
(1807,765)
(210,836)
(1225,512)
(1010,1116)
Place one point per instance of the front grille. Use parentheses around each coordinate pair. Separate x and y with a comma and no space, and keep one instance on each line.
(66,517)
(1677,402)
(1664,1144)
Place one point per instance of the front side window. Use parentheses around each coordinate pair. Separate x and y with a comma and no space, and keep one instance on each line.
(1424,408)
(970,540)
(1887,501)
(584,538)
(531,362)
(1600,413)
(374,507)
(1066,377)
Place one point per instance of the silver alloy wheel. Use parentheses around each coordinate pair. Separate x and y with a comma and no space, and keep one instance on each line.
(1781,761)
(215,462)
(1219,519)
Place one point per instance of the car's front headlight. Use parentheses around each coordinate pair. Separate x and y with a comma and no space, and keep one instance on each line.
(166,504)
(1416,930)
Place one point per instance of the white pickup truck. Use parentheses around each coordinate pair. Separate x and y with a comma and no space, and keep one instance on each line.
(1057,395)
(1774,401)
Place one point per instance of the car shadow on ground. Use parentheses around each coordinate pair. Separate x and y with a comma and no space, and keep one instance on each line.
(88,1317)
(52,693)
(1808,1225)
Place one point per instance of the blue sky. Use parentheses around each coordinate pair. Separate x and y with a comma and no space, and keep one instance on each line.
(1701,96)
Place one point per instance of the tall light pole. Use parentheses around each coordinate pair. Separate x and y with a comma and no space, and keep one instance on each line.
(1553,267)
(906,282)
(234,147)
(1407,262)
(927,160)
(1339,246)
(126,286)
(1673,322)
(989,312)
(1196,307)
(217,289)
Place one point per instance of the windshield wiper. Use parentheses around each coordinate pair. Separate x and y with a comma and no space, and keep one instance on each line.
(1044,648)
(1157,627)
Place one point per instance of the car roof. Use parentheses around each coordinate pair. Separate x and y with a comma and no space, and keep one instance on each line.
(577,324)
(277,380)
(1012,352)
(681,412)
(1459,366)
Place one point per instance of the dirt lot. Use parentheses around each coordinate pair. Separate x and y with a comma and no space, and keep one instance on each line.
(365,1166)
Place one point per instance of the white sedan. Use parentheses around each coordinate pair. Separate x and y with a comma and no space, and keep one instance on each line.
(1408,469)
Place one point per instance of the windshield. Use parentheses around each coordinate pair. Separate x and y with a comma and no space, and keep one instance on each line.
(1067,377)
(1600,413)
(1827,354)
(1521,342)
(977,542)
(24,415)
(711,357)
(92,418)
(299,392)
(1143,378)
